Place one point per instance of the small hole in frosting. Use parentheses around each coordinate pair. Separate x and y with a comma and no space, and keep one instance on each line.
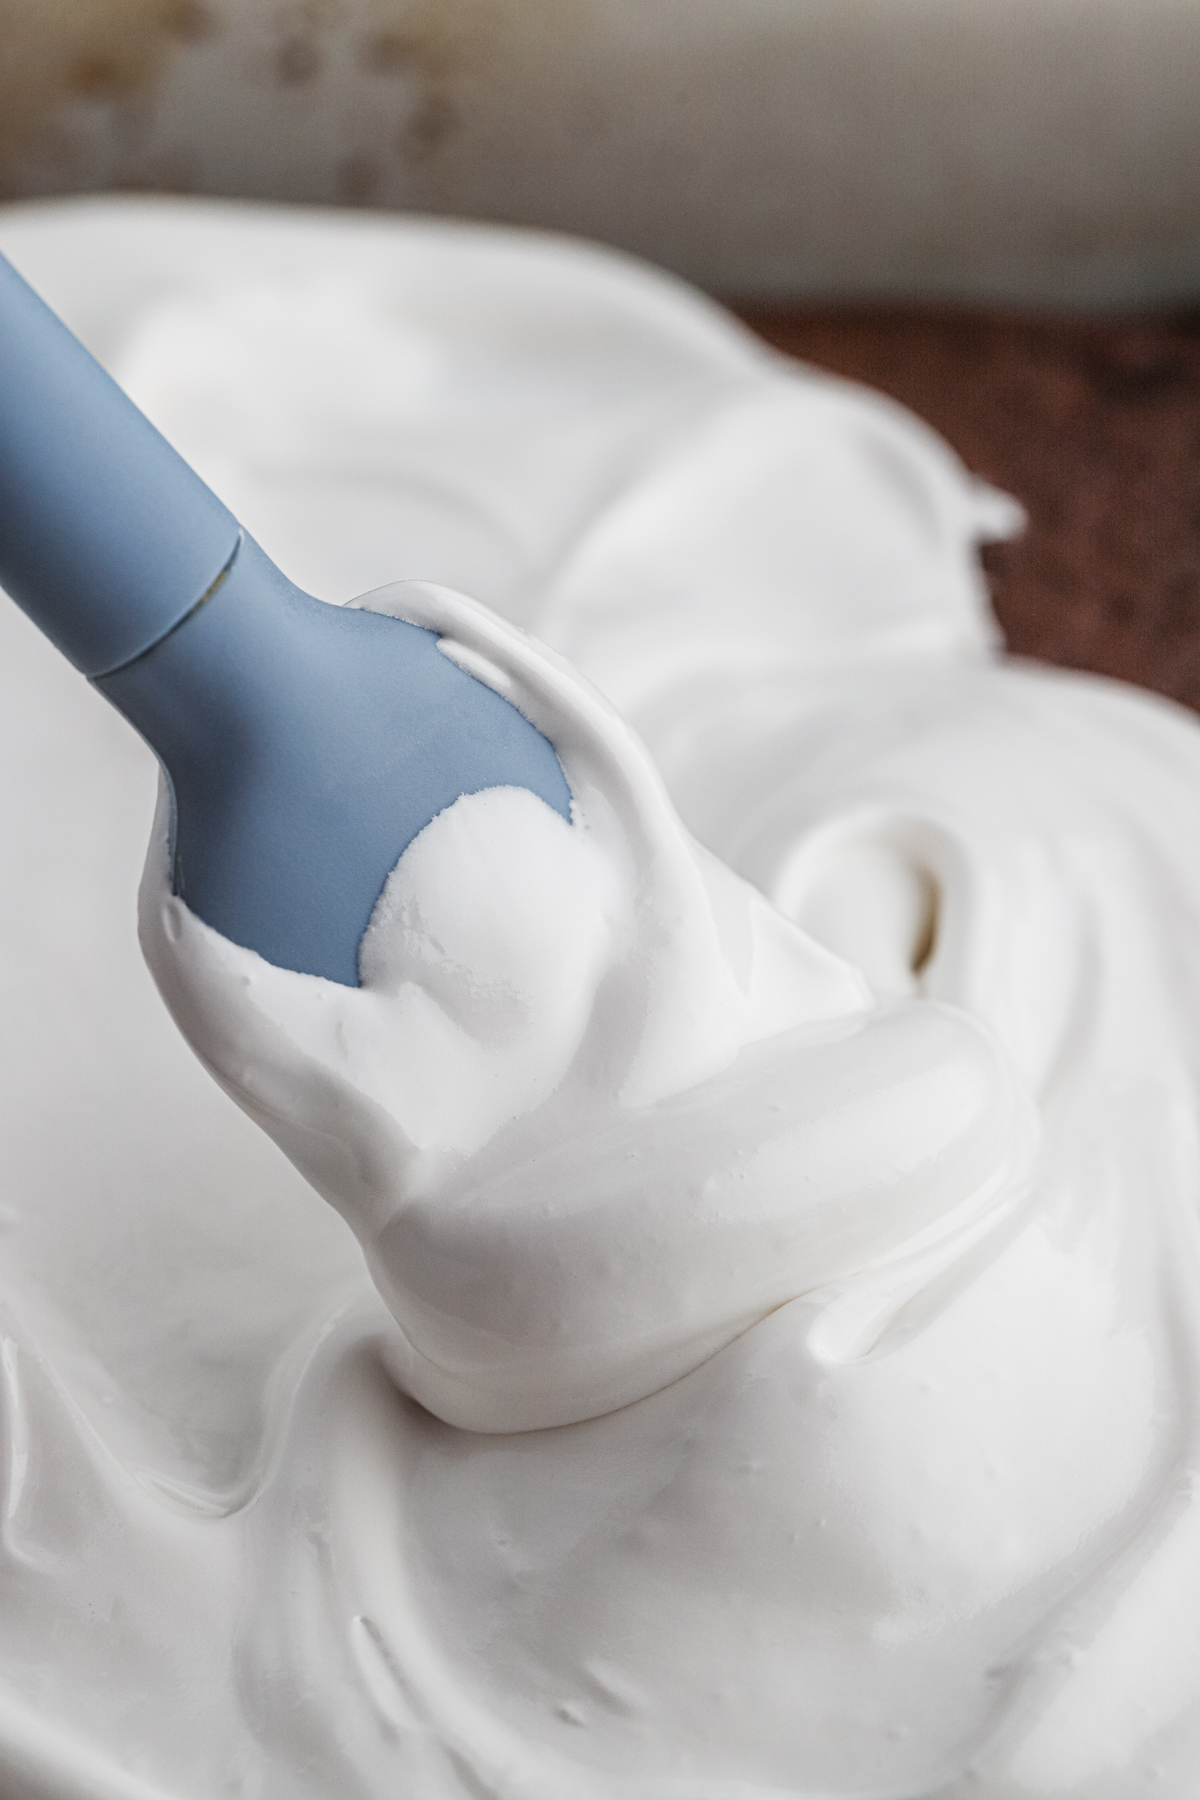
(876,903)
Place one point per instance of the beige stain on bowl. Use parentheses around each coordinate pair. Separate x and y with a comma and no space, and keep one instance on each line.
(109,57)
(59,53)
(435,48)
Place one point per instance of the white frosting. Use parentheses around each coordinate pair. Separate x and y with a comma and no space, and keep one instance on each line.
(779,1375)
(597,1107)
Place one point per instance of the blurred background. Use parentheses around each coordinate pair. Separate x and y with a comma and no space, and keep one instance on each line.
(1018,150)
(990,209)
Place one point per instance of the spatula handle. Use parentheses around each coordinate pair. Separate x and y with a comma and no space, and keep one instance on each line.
(107,537)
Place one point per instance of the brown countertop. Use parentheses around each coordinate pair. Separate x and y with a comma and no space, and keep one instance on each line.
(1095,426)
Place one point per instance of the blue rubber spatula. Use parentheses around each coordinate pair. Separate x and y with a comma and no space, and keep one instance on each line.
(306,744)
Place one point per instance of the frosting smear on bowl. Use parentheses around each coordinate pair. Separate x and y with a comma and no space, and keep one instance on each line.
(764,1366)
